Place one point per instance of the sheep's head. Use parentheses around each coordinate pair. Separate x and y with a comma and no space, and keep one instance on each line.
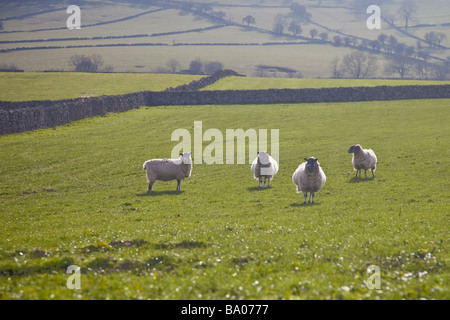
(263,157)
(354,148)
(311,163)
(186,157)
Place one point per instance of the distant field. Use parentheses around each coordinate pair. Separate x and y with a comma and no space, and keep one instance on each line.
(310,60)
(76,195)
(67,85)
(240,83)
(334,17)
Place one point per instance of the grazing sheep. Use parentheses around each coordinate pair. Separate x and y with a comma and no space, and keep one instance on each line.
(168,169)
(363,159)
(309,177)
(264,166)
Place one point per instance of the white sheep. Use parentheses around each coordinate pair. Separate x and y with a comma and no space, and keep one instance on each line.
(168,169)
(363,159)
(264,166)
(309,177)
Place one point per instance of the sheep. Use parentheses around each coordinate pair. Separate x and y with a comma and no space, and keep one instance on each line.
(264,166)
(363,159)
(168,169)
(309,177)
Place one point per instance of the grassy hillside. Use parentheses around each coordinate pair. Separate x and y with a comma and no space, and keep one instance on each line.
(255,83)
(76,194)
(130,34)
(57,85)
(61,85)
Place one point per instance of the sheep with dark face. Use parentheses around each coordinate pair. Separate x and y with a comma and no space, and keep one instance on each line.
(309,177)
(264,166)
(363,159)
(168,169)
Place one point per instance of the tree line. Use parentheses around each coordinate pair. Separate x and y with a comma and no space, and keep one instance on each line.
(95,63)
(361,65)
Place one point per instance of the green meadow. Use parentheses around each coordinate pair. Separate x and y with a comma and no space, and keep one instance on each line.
(76,195)
(259,83)
(67,85)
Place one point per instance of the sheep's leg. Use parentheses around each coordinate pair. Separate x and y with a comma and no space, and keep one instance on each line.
(178,185)
(265,179)
(373,174)
(365,174)
(313,194)
(310,194)
(260,182)
(268,182)
(305,195)
(150,185)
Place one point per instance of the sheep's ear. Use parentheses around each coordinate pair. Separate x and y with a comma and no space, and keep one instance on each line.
(257,152)
(305,159)
(181,153)
(316,159)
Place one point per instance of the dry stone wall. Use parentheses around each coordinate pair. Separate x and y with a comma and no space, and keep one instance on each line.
(32,115)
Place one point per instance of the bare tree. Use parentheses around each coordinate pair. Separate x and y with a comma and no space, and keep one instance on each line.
(212,67)
(336,72)
(323,36)
(279,23)
(248,20)
(423,55)
(399,65)
(337,40)
(429,38)
(295,28)
(407,11)
(313,33)
(83,63)
(434,38)
(409,51)
(196,66)
(400,49)
(219,14)
(204,8)
(299,13)
(441,71)
(359,65)
(423,70)
(440,36)
(173,65)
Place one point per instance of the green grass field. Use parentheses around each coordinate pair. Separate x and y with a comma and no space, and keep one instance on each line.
(76,195)
(255,83)
(63,85)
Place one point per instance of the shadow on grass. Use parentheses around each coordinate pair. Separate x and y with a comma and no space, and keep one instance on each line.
(159,193)
(253,189)
(301,204)
(359,180)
